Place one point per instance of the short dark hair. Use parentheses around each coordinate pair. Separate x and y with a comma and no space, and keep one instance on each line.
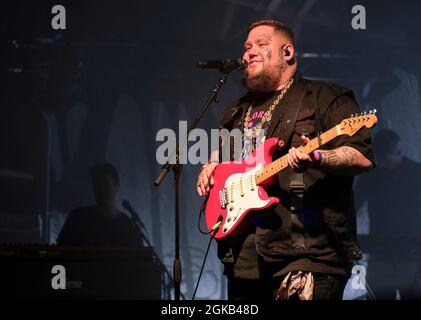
(100,169)
(278,26)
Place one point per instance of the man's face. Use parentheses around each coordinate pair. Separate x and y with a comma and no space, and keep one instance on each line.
(105,190)
(263,50)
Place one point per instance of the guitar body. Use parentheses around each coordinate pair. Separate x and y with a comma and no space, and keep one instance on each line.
(235,194)
(239,187)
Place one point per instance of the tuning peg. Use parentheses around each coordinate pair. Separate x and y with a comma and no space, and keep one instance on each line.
(352,115)
(374,111)
(365,112)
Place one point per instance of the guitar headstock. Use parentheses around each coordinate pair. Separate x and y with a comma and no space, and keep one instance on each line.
(351,125)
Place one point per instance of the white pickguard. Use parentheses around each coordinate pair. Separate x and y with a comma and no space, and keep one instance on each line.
(241,203)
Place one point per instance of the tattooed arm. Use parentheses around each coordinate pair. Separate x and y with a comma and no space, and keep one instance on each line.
(344,160)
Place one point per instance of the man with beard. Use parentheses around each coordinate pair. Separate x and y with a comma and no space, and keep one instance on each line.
(304,247)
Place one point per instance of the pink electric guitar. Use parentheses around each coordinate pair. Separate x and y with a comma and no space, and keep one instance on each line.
(240,186)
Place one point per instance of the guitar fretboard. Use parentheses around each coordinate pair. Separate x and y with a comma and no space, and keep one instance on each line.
(276,166)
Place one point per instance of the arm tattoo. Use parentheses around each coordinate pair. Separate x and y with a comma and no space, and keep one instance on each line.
(349,157)
(342,158)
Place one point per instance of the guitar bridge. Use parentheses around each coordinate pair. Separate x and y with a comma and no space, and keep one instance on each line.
(223,199)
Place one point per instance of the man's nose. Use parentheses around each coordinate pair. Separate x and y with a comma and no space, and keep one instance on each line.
(248,56)
(251,52)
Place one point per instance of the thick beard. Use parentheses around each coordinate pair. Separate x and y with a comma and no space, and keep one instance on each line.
(266,81)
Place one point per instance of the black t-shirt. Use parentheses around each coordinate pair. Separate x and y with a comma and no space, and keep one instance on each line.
(85,226)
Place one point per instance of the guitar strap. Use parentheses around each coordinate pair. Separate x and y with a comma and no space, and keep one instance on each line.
(297,186)
(291,109)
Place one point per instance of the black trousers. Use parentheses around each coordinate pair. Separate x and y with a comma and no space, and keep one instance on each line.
(326,287)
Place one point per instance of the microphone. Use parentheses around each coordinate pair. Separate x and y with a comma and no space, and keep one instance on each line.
(226,65)
(135,217)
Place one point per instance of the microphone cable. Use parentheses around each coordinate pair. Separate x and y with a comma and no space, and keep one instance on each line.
(212,233)
(215,229)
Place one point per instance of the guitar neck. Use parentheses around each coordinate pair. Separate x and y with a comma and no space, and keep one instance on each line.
(276,166)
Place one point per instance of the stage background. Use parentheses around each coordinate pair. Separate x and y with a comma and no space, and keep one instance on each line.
(122,70)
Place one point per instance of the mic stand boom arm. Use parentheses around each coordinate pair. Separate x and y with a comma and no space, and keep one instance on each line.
(174,165)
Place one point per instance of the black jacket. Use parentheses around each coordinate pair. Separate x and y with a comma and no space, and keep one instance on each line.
(328,215)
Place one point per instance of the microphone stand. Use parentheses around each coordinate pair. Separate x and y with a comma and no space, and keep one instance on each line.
(175,166)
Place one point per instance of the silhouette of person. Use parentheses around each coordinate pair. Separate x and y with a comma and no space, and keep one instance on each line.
(392,193)
(103,224)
